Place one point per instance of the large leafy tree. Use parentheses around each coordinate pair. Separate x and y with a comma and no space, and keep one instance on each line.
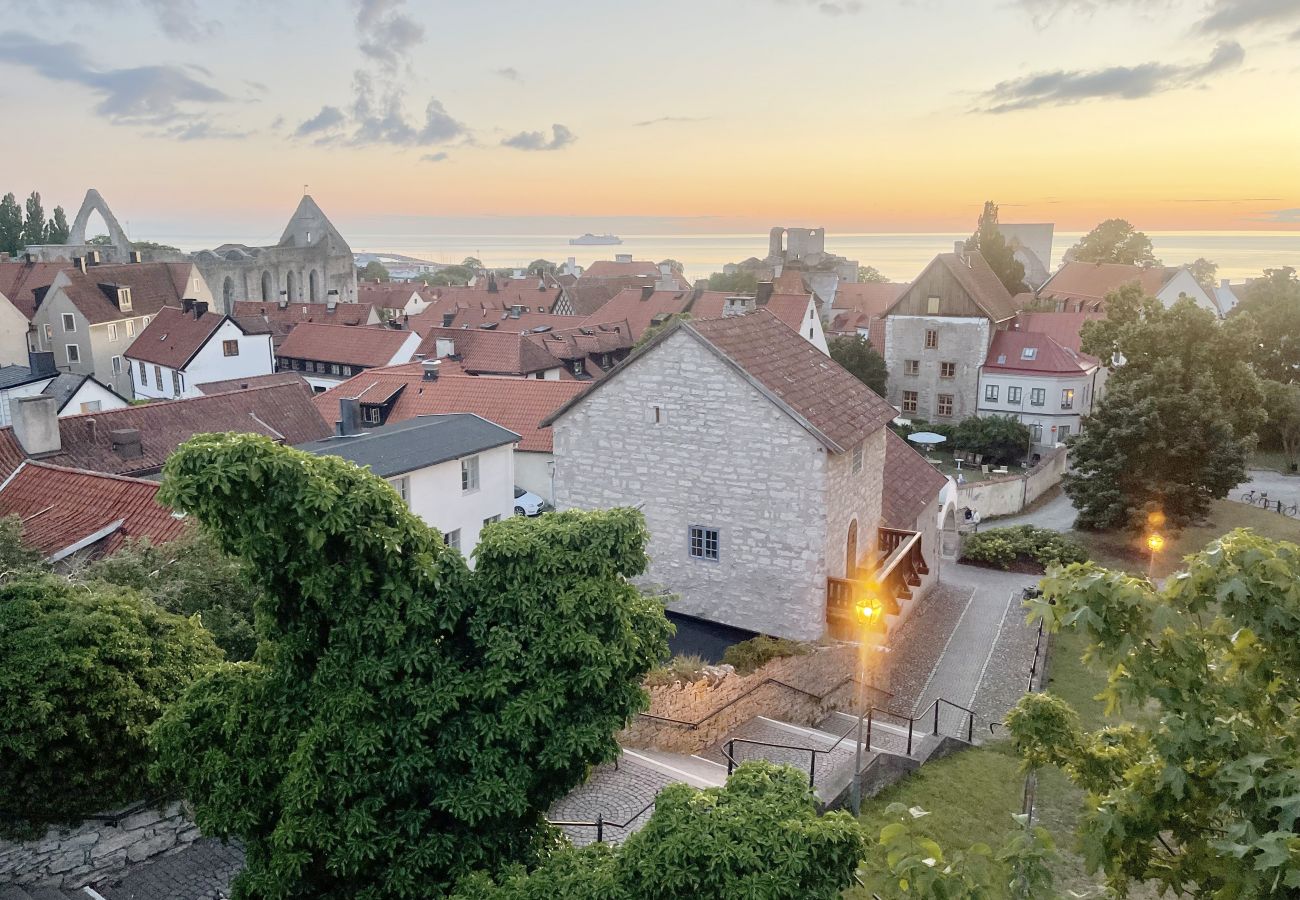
(373,271)
(1000,256)
(57,229)
(1272,307)
(406,721)
(856,354)
(16,557)
(34,221)
(1206,273)
(1282,402)
(1203,796)
(1180,412)
(1001,439)
(871,275)
(85,672)
(11,225)
(739,282)
(1114,241)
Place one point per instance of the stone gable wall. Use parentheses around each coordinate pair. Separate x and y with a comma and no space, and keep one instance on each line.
(854,497)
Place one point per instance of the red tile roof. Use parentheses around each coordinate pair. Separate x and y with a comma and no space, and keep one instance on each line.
(490,352)
(284,320)
(173,337)
(608,268)
(587,297)
(348,345)
(500,319)
(1006,354)
(61,506)
(639,308)
(1065,328)
(910,484)
(869,297)
(792,309)
(790,281)
(153,286)
(19,279)
(284,412)
(251,381)
(580,343)
(850,322)
(1086,281)
(519,404)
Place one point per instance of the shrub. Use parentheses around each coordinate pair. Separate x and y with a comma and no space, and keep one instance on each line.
(758,651)
(1003,547)
(688,667)
(86,672)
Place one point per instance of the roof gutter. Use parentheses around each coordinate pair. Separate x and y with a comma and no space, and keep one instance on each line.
(90,539)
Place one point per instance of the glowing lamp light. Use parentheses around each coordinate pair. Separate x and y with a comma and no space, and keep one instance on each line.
(867,611)
(1155,543)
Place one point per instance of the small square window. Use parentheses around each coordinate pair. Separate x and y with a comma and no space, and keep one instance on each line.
(991,393)
(948,370)
(911,367)
(370,415)
(230,348)
(73,352)
(944,405)
(469,473)
(1013,395)
(490,519)
(1037,396)
(704,543)
(932,306)
(69,322)
(1029,353)
(91,406)
(909,401)
(403,487)
(931,339)
(452,539)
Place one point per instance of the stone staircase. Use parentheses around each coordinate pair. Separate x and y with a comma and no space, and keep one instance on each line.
(32,892)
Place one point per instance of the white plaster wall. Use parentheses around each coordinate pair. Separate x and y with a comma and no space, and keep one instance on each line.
(533,472)
(256,357)
(92,392)
(1185,283)
(435,496)
(13,334)
(1050,413)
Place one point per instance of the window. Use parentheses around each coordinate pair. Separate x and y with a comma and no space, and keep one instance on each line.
(912,367)
(857,459)
(1087,393)
(403,487)
(490,519)
(69,322)
(1037,396)
(176,383)
(1029,353)
(452,539)
(811,314)
(991,393)
(1067,398)
(130,327)
(931,339)
(124,299)
(370,415)
(117,365)
(578,368)
(704,543)
(656,416)
(230,348)
(146,321)
(144,377)
(74,353)
(90,406)
(49,333)
(948,370)
(157,376)
(469,473)
(909,401)
(1036,433)
(1013,395)
(932,306)
(944,406)
(1062,432)
(810,334)
(334,369)
(112,331)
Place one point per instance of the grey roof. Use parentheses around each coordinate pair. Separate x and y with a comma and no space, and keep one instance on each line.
(416,443)
(64,385)
(13,376)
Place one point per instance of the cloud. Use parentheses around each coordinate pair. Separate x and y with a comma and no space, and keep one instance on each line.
(536,140)
(181,19)
(328,118)
(435,157)
(1042,12)
(510,73)
(1232,15)
(158,95)
(199,130)
(827,7)
(1061,88)
(385,32)
(1283,215)
(667,120)
(382,119)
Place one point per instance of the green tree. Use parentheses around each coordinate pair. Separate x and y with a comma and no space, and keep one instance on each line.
(56,232)
(871,275)
(1000,439)
(85,674)
(34,223)
(406,721)
(1203,794)
(736,283)
(11,225)
(1180,413)
(472,262)
(1282,402)
(856,354)
(673,264)
(373,271)
(1272,308)
(16,558)
(1114,241)
(189,576)
(448,275)
(759,836)
(541,267)
(649,334)
(1206,273)
(990,243)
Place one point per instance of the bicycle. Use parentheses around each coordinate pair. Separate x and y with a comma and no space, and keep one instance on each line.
(1263,502)
(1293,510)
(1250,498)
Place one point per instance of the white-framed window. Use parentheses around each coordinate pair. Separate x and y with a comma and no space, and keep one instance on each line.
(943,406)
(334,369)
(1036,433)
(69,323)
(1062,432)
(931,339)
(703,542)
(48,331)
(490,519)
(947,370)
(469,473)
(144,374)
(124,299)
(932,306)
(403,487)
(579,367)
(130,327)
(1037,396)
(857,459)
(73,352)
(230,348)
(371,415)
(1067,398)
(176,383)
(909,401)
(991,393)
(655,414)
(452,539)
(1013,395)
(112,331)
(1029,353)
(117,365)
(911,367)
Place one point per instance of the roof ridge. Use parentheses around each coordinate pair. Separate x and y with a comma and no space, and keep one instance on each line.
(77,471)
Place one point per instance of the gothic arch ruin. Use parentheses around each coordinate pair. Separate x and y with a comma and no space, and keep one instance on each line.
(95,203)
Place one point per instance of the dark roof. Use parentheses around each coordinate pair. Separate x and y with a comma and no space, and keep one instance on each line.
(1066,328)
(641,308)
(1007,354)
(910,483)
(416,443)
(17,376)
(174,336)
(19,279)
(283,412)
(60,507)
(153,286)
(981,283)
(1088,281)
(349,345)
(66,384)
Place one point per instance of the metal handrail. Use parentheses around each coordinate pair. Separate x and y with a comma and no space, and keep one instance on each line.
(601,822)
(732,702)
(812,765)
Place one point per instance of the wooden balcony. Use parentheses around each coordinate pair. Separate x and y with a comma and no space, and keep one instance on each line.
(890,585)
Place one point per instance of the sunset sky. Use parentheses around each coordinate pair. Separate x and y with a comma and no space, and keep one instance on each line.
(869,115)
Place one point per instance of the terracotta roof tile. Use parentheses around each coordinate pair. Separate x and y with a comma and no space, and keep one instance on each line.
(490,352)
(19,279)
(60,506)
(608,268)
(869,297)
(640,308)
(588,297)
(349,345)
(1063,327)
(1007,354)
(173,337)
(252,381)
(153,286)
(1086,281)
(283,320)
(910,484)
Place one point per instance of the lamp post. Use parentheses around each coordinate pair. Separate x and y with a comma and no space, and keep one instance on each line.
(870,615)
(1155,543)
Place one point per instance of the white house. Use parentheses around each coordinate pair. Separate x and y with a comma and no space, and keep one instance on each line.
(1083,286)
(183,348)
(1045,385)
(74,394)
(456,472)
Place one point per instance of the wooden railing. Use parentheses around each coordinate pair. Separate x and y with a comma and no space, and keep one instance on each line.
(901,570)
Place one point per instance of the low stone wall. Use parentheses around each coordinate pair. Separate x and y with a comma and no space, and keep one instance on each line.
(821,673)
(71,858)
(1009,494)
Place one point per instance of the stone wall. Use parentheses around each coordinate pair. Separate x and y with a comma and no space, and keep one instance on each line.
(854,497)
(93,850)
(963,341)
(822,673)
(1009,494)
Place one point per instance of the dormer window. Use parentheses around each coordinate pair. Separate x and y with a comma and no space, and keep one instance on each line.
(124,299)
(1029,353)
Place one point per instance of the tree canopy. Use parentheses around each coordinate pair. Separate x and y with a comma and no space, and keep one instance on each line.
(871,275)
(11,225)
(856,354)
(1180,412)
(1202,796)
(34,220)
(1114,241)
(1282,403)
(541,267)
(1001,257)
(735,283)
(373,271)
(406,720)
(1206,273)
(86,672)
(1272,308)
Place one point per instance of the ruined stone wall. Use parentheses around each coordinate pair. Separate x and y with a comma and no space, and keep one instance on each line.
(822,673)
(70,858)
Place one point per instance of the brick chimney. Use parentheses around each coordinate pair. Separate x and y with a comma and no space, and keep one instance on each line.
(126,443)
(36,425)
(429,369)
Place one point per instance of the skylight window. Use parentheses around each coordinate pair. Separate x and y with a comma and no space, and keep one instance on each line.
(1029,353)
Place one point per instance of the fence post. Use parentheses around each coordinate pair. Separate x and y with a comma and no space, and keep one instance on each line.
(731,761)
(870,714)
(910,722)
(600,828)
(812,770)
(970,728)
(936,718)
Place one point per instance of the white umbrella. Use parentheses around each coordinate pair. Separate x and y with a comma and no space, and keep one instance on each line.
(927,439)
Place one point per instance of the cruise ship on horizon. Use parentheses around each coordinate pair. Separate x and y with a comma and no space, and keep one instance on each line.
(595,240)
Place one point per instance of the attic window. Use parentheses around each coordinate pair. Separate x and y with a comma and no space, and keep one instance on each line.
(1029,353)
(124,299)
(1002,359)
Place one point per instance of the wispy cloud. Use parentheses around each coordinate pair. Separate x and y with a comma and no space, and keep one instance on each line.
(440,156)
(537,140)
(1043,12)
(510,73)
(327,119)
(827,7)
(669,120)
(1227,16)
(1062,88)
(386,33)
(181,19)
(1283,215)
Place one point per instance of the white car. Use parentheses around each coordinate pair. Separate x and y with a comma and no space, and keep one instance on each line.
(527,503)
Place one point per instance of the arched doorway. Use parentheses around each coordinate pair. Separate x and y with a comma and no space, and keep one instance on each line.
(313,286)
(851,551)
(291,284)
(949,539)
(228,294)
(268,289)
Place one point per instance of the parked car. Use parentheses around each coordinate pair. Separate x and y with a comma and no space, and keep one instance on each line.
(527,503)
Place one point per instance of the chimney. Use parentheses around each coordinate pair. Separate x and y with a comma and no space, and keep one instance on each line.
(41,362)
(349,422)
(187,305)
(738,306)
(92,258)
(80,263)
(647,291)
(492,282)
(429,369)
(331,300)
(622,257)
(283,302)
(516,311)
(29,258)
(447,319)
(135,256)
(1224,283)
(200,307)
(126,443)
(959,247)
(765,291)
(36,424)
(444,346)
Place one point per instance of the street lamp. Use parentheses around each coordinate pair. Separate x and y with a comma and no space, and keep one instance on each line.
(870,614)
(1155,543)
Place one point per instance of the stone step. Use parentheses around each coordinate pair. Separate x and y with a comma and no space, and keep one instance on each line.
(35,892)
(888,734)
(693,770)
(834,765)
